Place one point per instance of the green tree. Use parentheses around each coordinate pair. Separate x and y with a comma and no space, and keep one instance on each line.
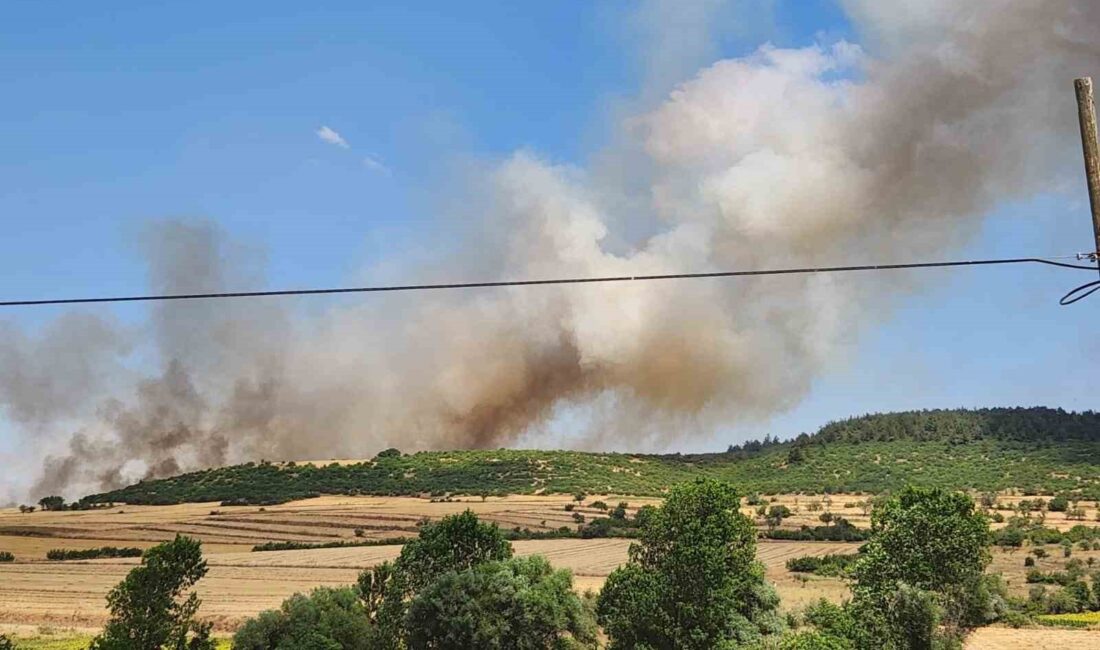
(1059,503)
(692,580)
(776,515)
(146,610)
(52,503)
(924,561)
(455,543)
(519,604)
(326,619)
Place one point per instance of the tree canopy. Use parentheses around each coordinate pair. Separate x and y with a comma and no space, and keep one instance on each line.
(692,580)
(146,610)
(518,604)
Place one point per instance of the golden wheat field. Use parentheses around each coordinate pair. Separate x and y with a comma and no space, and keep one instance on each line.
(241,583)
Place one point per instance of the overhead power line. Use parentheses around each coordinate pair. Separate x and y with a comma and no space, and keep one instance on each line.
(1070,298)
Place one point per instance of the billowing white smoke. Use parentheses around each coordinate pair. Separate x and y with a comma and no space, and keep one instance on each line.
(835,152)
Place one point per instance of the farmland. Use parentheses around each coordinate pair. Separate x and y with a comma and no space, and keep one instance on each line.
(241,582)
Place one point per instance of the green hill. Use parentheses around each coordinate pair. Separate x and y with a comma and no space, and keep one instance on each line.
(1035,450)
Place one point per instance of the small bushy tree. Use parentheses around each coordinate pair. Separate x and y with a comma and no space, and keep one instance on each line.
(146,610)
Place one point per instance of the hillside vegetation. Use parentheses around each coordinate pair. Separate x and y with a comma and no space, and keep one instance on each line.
(1034,450)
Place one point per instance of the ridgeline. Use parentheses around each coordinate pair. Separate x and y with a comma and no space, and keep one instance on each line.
(1033,450)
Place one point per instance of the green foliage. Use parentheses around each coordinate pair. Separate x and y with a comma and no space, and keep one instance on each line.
(388,453)
(6,556)
(822,565)
(776,515)
(146,610)
(59,554)
(455,543)
(1034,449)
(299,546)
(521,604)
(692,581)
(840,530)
(52,503)
(925,538)
(1059,503)
(326,619)
(6,643)
(923,567)
(814,641)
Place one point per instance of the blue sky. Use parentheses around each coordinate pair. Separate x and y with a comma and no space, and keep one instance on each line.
(115,114)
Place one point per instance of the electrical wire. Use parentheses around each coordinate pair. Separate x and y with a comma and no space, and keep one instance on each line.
(1068,299)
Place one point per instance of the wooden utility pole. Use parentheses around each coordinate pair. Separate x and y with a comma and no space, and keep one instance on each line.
(1086,111)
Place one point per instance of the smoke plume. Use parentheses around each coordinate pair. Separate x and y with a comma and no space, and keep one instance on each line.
(892,150)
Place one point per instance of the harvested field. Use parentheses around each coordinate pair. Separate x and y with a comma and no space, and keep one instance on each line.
(238,528)
(241,583)
(1006,638)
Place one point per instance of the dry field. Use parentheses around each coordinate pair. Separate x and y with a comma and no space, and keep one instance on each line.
(241,583)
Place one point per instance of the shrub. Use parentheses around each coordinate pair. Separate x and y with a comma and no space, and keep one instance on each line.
(1029,561)
(813,641)
(6,643)
(6,556)
(61,554)
(823,565)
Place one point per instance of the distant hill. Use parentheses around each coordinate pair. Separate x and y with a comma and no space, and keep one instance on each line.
(1034,450)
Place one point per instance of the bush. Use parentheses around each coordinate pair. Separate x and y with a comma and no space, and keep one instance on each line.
(326,618)
(823,565)
(814,641)
(6,556)
(61,554)
(388,453)
(6,643)
(1029,561)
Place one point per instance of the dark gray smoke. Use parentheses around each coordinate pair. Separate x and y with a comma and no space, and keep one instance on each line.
(812,155)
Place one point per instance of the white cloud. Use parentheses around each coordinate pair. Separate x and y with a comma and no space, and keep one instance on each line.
(332,137)
(375,165)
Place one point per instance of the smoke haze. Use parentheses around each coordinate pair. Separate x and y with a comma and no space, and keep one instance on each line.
(892,150)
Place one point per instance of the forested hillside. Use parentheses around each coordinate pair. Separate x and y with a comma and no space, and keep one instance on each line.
(1034,450)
